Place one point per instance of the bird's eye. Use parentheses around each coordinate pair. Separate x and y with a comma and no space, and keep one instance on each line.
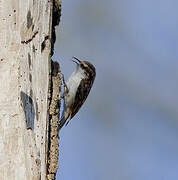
(82,66)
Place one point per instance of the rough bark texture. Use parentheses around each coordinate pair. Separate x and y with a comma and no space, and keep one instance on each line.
(26,43)
(53,146)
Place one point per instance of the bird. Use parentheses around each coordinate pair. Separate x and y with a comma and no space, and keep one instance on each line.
(76,89)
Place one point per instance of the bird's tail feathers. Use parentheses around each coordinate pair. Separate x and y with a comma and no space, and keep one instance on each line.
(63,120)
(67,122)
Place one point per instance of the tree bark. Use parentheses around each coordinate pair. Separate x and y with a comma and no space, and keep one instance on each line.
(27,37)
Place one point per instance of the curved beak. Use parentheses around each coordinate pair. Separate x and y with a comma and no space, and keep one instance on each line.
(75,60)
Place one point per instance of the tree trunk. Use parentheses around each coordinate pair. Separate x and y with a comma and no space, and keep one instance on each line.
(27,36)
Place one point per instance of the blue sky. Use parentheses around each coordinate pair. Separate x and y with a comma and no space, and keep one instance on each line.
(128,127)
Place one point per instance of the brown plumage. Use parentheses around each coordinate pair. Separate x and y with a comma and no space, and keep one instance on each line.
(77,89)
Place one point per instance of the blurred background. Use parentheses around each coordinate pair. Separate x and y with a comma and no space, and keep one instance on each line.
(128,127)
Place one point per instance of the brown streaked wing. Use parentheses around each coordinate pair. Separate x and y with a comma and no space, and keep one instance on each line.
(82,91)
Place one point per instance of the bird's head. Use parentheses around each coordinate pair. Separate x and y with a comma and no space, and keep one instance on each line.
(86,66)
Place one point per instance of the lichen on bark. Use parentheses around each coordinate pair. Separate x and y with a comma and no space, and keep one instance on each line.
(53,139)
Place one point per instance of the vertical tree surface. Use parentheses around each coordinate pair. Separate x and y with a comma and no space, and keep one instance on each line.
(25,65)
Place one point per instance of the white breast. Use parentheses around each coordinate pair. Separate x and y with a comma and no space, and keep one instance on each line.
(72,84)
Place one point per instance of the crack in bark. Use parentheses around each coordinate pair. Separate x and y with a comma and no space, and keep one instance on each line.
(55,21)
(29,40)
(43,44)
